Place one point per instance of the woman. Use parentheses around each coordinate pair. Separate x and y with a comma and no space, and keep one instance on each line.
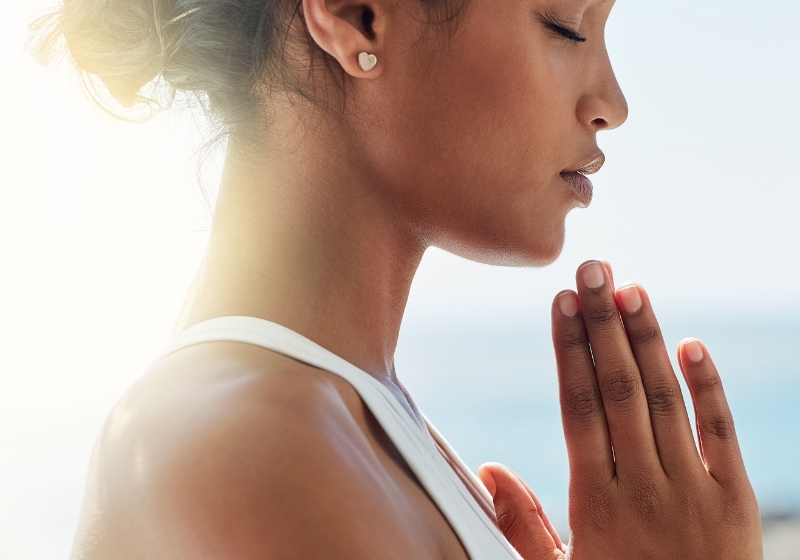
(359,134)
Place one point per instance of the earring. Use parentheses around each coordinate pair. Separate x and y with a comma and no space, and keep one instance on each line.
(367,61)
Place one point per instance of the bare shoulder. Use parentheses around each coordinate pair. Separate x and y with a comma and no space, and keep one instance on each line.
(226,450)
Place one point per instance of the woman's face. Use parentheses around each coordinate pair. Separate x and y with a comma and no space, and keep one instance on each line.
(473,138)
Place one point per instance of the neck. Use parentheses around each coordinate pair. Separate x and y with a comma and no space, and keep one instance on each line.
(303,238)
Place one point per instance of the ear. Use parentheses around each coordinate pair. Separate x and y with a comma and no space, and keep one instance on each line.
(345,28)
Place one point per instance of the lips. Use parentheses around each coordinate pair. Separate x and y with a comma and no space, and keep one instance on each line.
(580,184)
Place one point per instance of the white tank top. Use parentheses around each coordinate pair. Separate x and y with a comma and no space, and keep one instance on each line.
(458,493)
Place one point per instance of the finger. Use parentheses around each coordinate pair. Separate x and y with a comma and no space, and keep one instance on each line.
(618,377)
(610,271)
(519,515)
(582,415)
(668,416)
(719,446)
(552,530)
(485,473)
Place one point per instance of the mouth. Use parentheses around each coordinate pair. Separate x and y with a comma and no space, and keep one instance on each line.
(579,182)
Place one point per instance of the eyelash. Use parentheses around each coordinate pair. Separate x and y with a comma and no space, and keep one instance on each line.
(564,32)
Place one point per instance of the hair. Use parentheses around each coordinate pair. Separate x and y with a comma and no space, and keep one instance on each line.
(229,54)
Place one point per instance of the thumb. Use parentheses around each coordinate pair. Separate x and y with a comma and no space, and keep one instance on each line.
(518,515)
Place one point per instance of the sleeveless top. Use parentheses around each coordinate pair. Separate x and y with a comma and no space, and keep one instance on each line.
(458,493)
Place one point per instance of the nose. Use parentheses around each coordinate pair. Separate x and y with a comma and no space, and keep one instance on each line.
(603,105)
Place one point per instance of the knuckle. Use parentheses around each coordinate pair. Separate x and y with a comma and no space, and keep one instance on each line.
(595,507)
(741,509)
(583,402)
(663,399)
(690,506)
(646,499)
(622,385)
(719,427)
(646,336)
(603,314)
(708,384)
(573,340)
(511,523)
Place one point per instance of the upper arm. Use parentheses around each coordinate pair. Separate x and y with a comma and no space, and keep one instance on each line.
(236,468)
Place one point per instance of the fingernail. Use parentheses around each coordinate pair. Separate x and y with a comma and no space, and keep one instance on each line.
(487,478)
(592,275)
(568,304)
(694,350)
(631,298)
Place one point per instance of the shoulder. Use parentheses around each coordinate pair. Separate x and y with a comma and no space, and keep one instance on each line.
(228,446)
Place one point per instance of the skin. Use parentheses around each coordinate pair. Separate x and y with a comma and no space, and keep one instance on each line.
(651,495)
(225,450)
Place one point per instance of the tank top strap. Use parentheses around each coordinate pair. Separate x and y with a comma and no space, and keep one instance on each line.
(450,484)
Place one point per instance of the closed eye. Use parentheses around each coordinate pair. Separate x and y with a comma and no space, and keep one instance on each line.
(565,32)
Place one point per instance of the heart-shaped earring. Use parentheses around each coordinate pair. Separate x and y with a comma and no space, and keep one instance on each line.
(367,61)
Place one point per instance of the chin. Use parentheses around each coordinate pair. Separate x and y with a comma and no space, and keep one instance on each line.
(541,254)
(538,251)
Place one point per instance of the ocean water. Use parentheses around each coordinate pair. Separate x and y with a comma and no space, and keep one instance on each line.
(492,391)
(488,384)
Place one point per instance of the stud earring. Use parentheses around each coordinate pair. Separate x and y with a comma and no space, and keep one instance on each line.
(367,61)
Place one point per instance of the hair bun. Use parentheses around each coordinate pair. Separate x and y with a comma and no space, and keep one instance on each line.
(116,40)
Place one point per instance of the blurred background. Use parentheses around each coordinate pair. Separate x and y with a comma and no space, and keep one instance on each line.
(102,224)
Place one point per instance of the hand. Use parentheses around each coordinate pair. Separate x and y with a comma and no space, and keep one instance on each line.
(638,487)
(520,515)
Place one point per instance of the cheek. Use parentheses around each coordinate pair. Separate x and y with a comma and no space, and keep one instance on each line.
(473,142)
(510,89)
